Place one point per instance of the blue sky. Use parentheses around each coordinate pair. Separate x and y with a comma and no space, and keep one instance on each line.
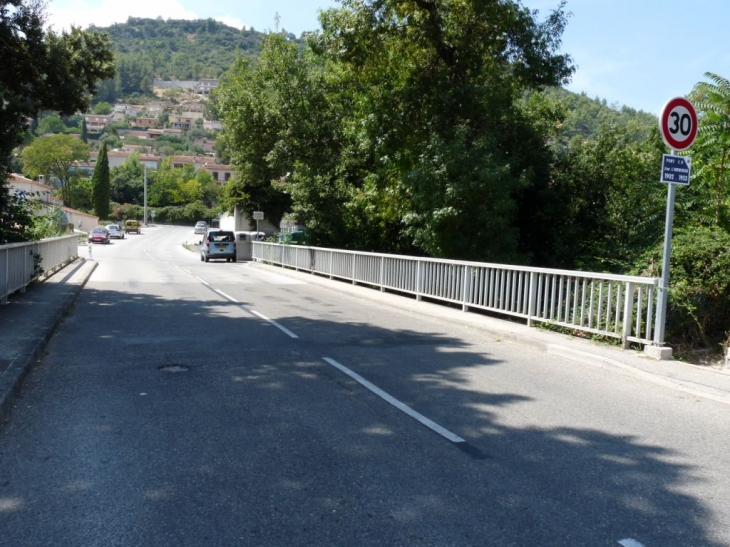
(638,53)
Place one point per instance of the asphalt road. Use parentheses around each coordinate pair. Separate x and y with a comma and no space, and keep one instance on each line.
(185,403)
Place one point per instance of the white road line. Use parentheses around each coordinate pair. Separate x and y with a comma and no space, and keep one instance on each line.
(277,325)
(282,328)
(630,543)
(224,295)
(396,403)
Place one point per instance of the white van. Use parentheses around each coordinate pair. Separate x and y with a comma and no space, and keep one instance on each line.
(244,249)
(218,244)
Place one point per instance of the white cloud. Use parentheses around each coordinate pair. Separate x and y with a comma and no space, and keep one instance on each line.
(82,13)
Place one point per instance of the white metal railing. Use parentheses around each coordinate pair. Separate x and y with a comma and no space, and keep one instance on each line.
(18,261)
(617,306)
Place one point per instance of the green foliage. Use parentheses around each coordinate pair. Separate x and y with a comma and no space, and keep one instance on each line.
(84,132)
(55,157)
(127,211)
(711,152)
(185,214)
(42,70)
(399,128)
(616,206)
(699,293)
(584,117)
(100,181)
(102,108)
(149,49)
(46,223)
(50,124)
(16,218)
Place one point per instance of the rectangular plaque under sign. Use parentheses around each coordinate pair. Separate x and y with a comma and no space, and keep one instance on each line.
(676,169)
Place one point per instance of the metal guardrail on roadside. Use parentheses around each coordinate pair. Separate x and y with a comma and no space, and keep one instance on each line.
(617,306)
(23,263)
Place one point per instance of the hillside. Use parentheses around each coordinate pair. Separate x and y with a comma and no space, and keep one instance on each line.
(181,49)
(586,115)
(150,49)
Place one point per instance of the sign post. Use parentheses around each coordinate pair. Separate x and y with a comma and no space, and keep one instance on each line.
(258,215)
(678,127)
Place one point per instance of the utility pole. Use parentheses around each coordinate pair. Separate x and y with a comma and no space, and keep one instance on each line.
(145,195)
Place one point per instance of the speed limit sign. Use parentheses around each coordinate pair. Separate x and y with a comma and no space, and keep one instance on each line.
(678,123)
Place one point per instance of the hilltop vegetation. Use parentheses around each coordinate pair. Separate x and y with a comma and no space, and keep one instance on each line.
(149,49)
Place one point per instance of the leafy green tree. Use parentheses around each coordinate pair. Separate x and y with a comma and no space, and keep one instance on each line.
(107,91)
(81,193)
(84,131)
(127,182)
(41,70)
(50,124)
(55,157)
(711,151)
(101,185)
(400,127)
(102,108)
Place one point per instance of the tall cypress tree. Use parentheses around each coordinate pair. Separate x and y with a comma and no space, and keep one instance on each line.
(100,185)
(84,132)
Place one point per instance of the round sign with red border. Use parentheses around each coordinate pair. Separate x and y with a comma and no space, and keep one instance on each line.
(678,123)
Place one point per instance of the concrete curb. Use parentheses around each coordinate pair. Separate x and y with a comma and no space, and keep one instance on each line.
(12,379)
(627,370)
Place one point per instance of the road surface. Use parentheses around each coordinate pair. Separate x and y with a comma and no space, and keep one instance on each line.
(185,403)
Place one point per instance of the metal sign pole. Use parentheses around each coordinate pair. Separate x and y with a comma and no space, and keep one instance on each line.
(145,195)
(664,288)
(678,125)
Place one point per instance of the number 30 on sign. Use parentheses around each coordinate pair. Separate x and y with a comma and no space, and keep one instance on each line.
(678,123)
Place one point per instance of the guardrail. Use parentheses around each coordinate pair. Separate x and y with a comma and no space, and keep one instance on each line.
(23,263)
(616,306)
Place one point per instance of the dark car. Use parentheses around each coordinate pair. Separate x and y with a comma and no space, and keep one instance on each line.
(99,235)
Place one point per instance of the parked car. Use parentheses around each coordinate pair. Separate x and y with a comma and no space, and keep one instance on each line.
(200,227)
(131,226)
(218,244)
(99,235)
(115,231)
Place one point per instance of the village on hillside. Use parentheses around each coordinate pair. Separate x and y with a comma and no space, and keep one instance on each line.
(139,129)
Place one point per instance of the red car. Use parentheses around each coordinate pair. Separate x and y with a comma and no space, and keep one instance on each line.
(99,235)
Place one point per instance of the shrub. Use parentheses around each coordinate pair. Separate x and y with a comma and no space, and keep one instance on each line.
(698,309)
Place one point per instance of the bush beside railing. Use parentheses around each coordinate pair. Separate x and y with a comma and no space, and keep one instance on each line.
(23,263)
(623,307)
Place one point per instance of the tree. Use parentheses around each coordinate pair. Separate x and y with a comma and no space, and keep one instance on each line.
(127,182)
(55,157)
(711,151)
(101,185)
(84,131)
(399,127)
(50,124)
(42,70)
(102,108)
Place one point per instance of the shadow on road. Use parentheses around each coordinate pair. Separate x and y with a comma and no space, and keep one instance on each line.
(179,422)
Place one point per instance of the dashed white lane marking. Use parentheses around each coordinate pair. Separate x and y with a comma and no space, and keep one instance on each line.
(282,328)
(224,295)
(630,543)
(396,403)
(228,297)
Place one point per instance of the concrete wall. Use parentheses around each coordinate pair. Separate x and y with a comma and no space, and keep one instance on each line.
(240,222)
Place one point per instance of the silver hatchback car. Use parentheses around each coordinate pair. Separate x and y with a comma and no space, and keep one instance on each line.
(200,227)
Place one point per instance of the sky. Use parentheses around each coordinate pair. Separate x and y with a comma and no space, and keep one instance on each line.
(637,53)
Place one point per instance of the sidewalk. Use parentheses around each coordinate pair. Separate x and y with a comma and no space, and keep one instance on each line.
(29,320)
